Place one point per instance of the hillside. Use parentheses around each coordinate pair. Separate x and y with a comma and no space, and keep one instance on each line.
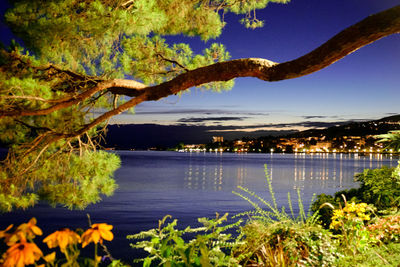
(363,128)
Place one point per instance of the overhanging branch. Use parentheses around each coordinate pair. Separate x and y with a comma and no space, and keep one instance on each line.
(363,33)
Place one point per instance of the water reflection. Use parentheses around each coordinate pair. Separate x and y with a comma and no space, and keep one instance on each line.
(217,171)
(333,170)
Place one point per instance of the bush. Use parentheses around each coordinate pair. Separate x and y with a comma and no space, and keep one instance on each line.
(286,243)
(386,229)
(379,187)
(169,246)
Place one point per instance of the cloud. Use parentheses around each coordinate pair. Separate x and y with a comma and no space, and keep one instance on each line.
(198,111)
(216,119)
(306,124)
(318,117)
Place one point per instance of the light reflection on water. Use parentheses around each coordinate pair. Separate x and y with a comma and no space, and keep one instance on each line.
(193,185)
(213,171)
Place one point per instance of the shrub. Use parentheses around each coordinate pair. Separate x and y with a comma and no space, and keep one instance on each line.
(167,245)
(286,243)
(379,187)
(386,229)
(388,255)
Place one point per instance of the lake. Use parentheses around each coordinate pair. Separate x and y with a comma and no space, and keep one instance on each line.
(192,185)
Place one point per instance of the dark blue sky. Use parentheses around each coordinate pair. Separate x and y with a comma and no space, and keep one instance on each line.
(362,86)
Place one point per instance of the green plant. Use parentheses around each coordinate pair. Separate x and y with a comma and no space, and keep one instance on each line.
(167,245)
(391,139)
(271,212)
(286,243)
(275,238)
(349,221)
(380,187)
(372,256)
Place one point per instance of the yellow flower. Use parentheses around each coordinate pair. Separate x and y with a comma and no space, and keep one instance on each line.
(97,233)
(335,224)
(338,213)
(350,207)
(30,228)
(22,254)
(62,238)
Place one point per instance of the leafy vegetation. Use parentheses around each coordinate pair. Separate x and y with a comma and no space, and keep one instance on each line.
(167,245)
(276,238)
(379,187)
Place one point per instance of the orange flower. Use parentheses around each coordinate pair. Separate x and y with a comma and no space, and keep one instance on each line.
(15,237)
(30,228)
(23,232)
(22,254)
(62,238)
(3,233)
(97,233)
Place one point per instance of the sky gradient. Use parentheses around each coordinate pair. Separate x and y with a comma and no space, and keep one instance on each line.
(362,86)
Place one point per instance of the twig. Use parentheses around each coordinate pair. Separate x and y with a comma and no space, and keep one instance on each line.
(172,61)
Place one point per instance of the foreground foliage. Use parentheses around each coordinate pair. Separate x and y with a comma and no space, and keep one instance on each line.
(169,246)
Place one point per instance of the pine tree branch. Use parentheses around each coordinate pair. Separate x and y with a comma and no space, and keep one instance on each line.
(349,40)
(101,86)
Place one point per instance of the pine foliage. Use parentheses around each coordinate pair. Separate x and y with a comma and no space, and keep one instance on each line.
(69,49)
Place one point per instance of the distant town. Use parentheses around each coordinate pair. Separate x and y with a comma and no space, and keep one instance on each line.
(313,144)
(340,139)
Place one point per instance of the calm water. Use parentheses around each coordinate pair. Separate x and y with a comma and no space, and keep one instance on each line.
(192,185)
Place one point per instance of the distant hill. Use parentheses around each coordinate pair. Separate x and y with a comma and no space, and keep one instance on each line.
(362,128)
(144,136)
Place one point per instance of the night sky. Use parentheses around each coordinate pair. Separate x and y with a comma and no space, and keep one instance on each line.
(362,86)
